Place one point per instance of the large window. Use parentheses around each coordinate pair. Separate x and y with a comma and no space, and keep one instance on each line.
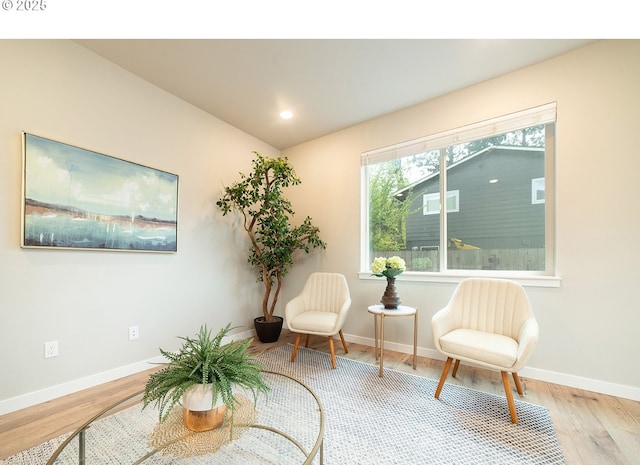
(497,216)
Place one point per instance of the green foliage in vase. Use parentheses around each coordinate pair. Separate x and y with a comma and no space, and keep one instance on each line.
(204,360)
(267,215)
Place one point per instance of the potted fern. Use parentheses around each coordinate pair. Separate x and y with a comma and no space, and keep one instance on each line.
(267,219)
(201,376)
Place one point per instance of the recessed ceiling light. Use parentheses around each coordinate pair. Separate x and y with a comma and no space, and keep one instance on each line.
(286,114)
(493,181)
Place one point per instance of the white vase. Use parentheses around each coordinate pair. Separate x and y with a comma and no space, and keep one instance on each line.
(199,398)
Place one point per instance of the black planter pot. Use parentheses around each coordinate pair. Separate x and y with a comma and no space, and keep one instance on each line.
(268,331)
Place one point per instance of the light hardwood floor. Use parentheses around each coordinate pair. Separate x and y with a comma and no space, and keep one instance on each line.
(593,429)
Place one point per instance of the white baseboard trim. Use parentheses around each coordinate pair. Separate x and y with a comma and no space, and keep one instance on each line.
(59,390)
(33,398)
(588,384)
(579,382)
(43,395)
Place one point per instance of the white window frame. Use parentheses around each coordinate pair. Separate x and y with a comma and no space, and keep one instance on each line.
(535,188)
(542,114)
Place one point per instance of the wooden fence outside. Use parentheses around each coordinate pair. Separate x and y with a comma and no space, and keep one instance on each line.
(481,259)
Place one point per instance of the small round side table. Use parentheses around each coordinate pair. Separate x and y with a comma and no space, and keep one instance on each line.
(378,311)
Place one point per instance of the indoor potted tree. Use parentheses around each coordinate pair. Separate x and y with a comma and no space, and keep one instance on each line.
(267,216)
(201,376)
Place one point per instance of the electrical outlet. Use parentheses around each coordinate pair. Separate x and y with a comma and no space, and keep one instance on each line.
(134,333)
(50,349)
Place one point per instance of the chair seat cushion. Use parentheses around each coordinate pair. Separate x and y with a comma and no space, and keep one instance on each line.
(494,349)
(315,322)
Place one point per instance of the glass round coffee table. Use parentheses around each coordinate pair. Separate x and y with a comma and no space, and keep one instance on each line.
(285,426)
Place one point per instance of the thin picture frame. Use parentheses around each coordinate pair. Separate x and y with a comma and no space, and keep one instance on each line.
(73,198)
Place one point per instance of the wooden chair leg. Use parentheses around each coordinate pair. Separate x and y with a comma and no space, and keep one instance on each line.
(516,379)
(333,352)
(455,368)
(443,376)
(295,347)
(507,391)
(344,343)
(306,341)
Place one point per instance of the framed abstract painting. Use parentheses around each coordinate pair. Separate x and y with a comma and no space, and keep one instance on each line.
(74,198)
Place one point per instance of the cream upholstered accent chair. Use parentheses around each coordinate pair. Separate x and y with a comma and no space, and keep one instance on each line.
(320,309)
(487,323)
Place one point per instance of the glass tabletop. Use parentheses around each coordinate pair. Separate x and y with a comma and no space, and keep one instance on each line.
(284,426)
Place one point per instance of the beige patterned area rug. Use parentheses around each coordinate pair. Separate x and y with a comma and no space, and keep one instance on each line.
(394,420)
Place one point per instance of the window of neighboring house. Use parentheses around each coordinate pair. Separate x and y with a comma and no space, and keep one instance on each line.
(537,190)
(498,176)
(431,203)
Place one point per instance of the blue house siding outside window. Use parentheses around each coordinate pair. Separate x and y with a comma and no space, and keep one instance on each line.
(494,206)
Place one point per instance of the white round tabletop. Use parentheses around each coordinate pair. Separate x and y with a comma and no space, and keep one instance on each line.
(402,310)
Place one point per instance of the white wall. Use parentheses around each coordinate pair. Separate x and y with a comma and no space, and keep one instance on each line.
(86,300)
(589,325)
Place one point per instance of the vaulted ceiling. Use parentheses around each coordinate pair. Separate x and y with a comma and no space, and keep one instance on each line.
(328,84)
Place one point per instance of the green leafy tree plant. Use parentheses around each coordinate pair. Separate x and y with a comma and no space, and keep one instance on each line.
(204,360)
(267,215)
(387,214)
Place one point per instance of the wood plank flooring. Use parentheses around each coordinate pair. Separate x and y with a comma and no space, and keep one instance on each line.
(593,429)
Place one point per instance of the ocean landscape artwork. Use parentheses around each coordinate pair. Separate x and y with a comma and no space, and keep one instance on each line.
(79,199)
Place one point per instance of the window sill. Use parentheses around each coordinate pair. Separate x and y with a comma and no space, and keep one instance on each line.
(527,280)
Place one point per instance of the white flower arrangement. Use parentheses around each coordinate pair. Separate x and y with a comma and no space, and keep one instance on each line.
(388,267)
